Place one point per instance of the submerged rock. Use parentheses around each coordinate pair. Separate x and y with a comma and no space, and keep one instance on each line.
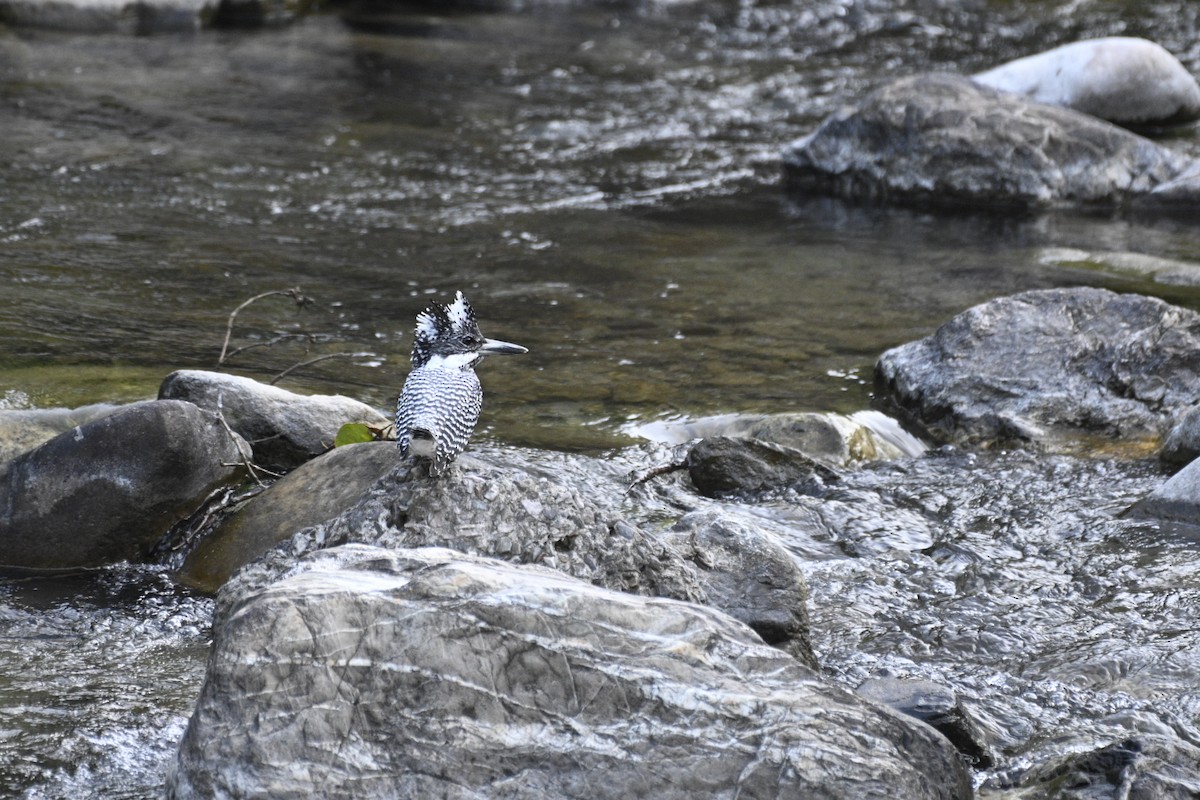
(426,673)
(109,490)
(1049,367)
(284,428)
(314,493)
(946,140)
(1122,79)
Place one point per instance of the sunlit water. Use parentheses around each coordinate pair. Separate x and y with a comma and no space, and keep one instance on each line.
(603,181)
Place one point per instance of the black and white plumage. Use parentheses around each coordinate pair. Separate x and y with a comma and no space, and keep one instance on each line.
(441,399)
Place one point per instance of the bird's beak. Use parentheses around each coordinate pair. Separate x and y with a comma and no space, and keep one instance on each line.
(495,347)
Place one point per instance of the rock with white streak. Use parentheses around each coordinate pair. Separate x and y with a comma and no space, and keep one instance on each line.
(1122,79)
(368,673)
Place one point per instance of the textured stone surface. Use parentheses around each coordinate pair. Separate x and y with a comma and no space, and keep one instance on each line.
(945,140)
(749,576)
(1182,445)
(147,16)
(22,430)
(109,490)
(938,706)
(284,428)
(1145,767)
(723,466)
(426,673)
(1122,79)
(1049,366)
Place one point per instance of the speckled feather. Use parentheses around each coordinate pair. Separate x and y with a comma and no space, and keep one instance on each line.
(445,402)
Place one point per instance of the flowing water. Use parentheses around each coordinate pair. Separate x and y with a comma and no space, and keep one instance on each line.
(603,182)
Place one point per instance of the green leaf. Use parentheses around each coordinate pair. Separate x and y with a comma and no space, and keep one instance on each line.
(353,433)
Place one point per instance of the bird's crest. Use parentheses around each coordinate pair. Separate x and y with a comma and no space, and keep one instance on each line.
(440,321)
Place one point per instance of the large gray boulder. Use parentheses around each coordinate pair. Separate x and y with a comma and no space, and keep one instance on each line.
(1051,367)
(1122,79)
(284,428)
(109,490)
(368,673)
(946,140)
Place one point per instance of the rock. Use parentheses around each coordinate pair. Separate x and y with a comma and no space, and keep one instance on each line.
(313,493)
(1177,499)
(1182,445)
(1121,79)
(1049,367)
(749,576)
(945,140)
(833,439)
(723,466)
(938,706)
(285,429)
(509,508)
(1173,272)
(21,430)
(425,673)
(109,490)
(1145,766)
(146,16)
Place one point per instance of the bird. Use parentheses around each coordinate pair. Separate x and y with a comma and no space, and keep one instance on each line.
(440,402)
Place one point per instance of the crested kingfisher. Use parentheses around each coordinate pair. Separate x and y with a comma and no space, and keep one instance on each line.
(439,404)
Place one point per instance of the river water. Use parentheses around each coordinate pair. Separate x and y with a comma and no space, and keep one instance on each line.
(603,181)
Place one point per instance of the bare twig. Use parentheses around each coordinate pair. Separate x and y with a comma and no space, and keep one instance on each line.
(311,361)
(293,293)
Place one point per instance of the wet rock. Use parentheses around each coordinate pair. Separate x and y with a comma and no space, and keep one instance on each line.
(1122,79)
(109,490)
(22,430)
(1144,766)
(749,576)
(945,140)
(723,466)
(1049,367)
(1177,499)
(1168,271)
(284,428)
(313,493)
(426,673)
(938,706)
(1182,445)
(833,439)
(145,16)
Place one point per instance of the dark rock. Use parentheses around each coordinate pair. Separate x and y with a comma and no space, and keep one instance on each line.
(723,466)
(147,16)
(313,493)
(427,673)
(109,490)
(1182,445)
(1049,367)
(938,706)
(945,140)
(1122,79)
(285,429)
(21,430)
(749,576)
(1145,767)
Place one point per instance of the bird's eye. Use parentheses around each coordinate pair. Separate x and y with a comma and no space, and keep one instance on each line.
(470,341)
